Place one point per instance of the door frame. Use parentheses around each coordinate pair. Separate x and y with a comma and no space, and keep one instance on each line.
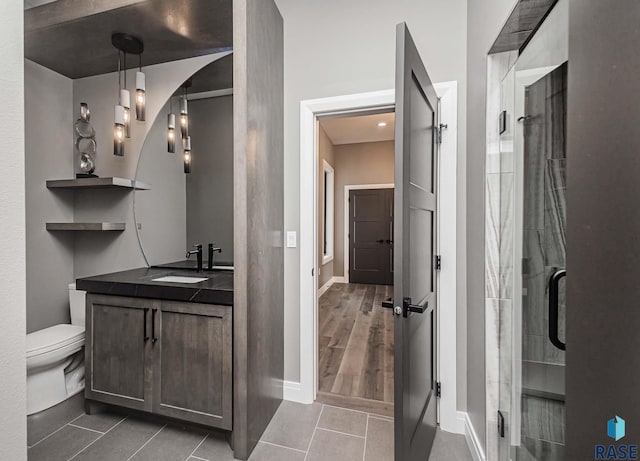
(347,189)
(305,391)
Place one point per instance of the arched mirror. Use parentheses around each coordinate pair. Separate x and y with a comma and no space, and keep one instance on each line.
(191,201)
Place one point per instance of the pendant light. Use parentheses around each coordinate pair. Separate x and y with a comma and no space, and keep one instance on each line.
(125,98)
(171,133)
(187,154)
(119,132)
(125,43)
(184,111)
(141,97)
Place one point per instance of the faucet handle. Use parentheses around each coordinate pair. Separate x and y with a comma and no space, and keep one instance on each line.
(197,246)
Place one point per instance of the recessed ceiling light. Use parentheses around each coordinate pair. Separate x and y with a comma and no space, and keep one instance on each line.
(382,124)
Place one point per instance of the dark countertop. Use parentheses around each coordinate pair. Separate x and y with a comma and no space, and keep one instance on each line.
(138,283)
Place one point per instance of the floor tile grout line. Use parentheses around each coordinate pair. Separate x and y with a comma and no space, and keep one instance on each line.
(85,428)
(366,434)
(146,443)
(382,418)
(340,432)
(196,448)
(56,431)
(282,446)
(314,433)
(196,457)
(115,425)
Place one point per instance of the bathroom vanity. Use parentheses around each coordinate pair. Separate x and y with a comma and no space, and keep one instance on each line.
(161,347)
(209,352)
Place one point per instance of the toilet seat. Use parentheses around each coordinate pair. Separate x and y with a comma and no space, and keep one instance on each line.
(53,338)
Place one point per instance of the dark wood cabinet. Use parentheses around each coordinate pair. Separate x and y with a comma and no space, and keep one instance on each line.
(168,358)
(193,364)
(117,354)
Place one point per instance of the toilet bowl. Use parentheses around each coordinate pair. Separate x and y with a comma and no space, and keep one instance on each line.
(55,359)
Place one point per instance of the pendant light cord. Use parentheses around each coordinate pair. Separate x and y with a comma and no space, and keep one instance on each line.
(125,70)
(119,74)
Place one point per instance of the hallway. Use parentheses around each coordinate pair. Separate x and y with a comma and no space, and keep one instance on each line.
(355,342)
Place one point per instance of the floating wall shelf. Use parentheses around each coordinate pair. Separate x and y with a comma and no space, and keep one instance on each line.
(86,226)
(97,183)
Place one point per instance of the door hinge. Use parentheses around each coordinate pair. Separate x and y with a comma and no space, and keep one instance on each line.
(439,128)
(438,389)
(437,262)
(313,272)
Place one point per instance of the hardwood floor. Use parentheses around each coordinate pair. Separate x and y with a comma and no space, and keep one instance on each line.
(355,338)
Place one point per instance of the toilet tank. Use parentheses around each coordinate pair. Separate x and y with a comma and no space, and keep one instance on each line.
(77,304)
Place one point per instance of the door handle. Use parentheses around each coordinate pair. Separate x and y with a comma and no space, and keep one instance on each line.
(388,304)
(417,308)
(554,283)
(379,241)
(146,336)
(389,241)
(153,326)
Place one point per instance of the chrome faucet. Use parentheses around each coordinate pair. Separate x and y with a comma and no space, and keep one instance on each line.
(197,251)
(212,250)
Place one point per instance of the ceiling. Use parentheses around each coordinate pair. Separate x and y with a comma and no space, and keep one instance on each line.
(360,128)
(33,3)
(73,37)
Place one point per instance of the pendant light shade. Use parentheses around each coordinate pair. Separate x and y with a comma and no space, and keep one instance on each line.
(171,133)
(184,118)
(125,102)
(187,154)
(119,132)
(141,97)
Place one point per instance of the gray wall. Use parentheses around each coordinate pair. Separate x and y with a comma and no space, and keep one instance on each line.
(603,222)
(484,21)
(210,184)
(335,48)
(109,252)
(350,159)
(13,430)
(325,152)
(55,259)
(48,155)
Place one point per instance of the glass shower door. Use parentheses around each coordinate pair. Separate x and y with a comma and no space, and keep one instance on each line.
(531,348)
(543,268)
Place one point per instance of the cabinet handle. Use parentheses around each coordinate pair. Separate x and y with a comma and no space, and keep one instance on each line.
(153,326)
(146,336)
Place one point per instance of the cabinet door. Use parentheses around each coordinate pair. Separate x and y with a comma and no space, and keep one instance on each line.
(193,364)
(117,344)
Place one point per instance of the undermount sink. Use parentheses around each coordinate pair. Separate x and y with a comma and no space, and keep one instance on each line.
(179,279)
(222,268)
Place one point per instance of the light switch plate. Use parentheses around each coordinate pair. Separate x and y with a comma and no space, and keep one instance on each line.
(291,239)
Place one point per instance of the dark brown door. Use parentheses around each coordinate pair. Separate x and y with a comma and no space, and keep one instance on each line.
(415,224)
(118,340)
(193,363)
(371,236)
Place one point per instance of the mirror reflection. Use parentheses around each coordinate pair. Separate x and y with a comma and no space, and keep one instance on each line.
(186,219)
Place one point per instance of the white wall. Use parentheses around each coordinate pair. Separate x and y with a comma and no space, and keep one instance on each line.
(49,155)
(334,48)
(13,431)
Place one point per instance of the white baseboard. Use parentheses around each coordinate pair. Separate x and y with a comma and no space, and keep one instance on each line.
(477,452)
(293,392)
(330,282)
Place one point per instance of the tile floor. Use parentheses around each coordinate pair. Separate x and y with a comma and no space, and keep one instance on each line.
(297,433)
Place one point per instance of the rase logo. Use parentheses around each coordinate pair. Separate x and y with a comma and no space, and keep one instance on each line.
(616,430)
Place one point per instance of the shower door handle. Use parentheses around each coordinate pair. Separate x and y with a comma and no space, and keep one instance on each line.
(554,283)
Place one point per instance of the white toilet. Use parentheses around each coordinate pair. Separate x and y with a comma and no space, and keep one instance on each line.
(55,358)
